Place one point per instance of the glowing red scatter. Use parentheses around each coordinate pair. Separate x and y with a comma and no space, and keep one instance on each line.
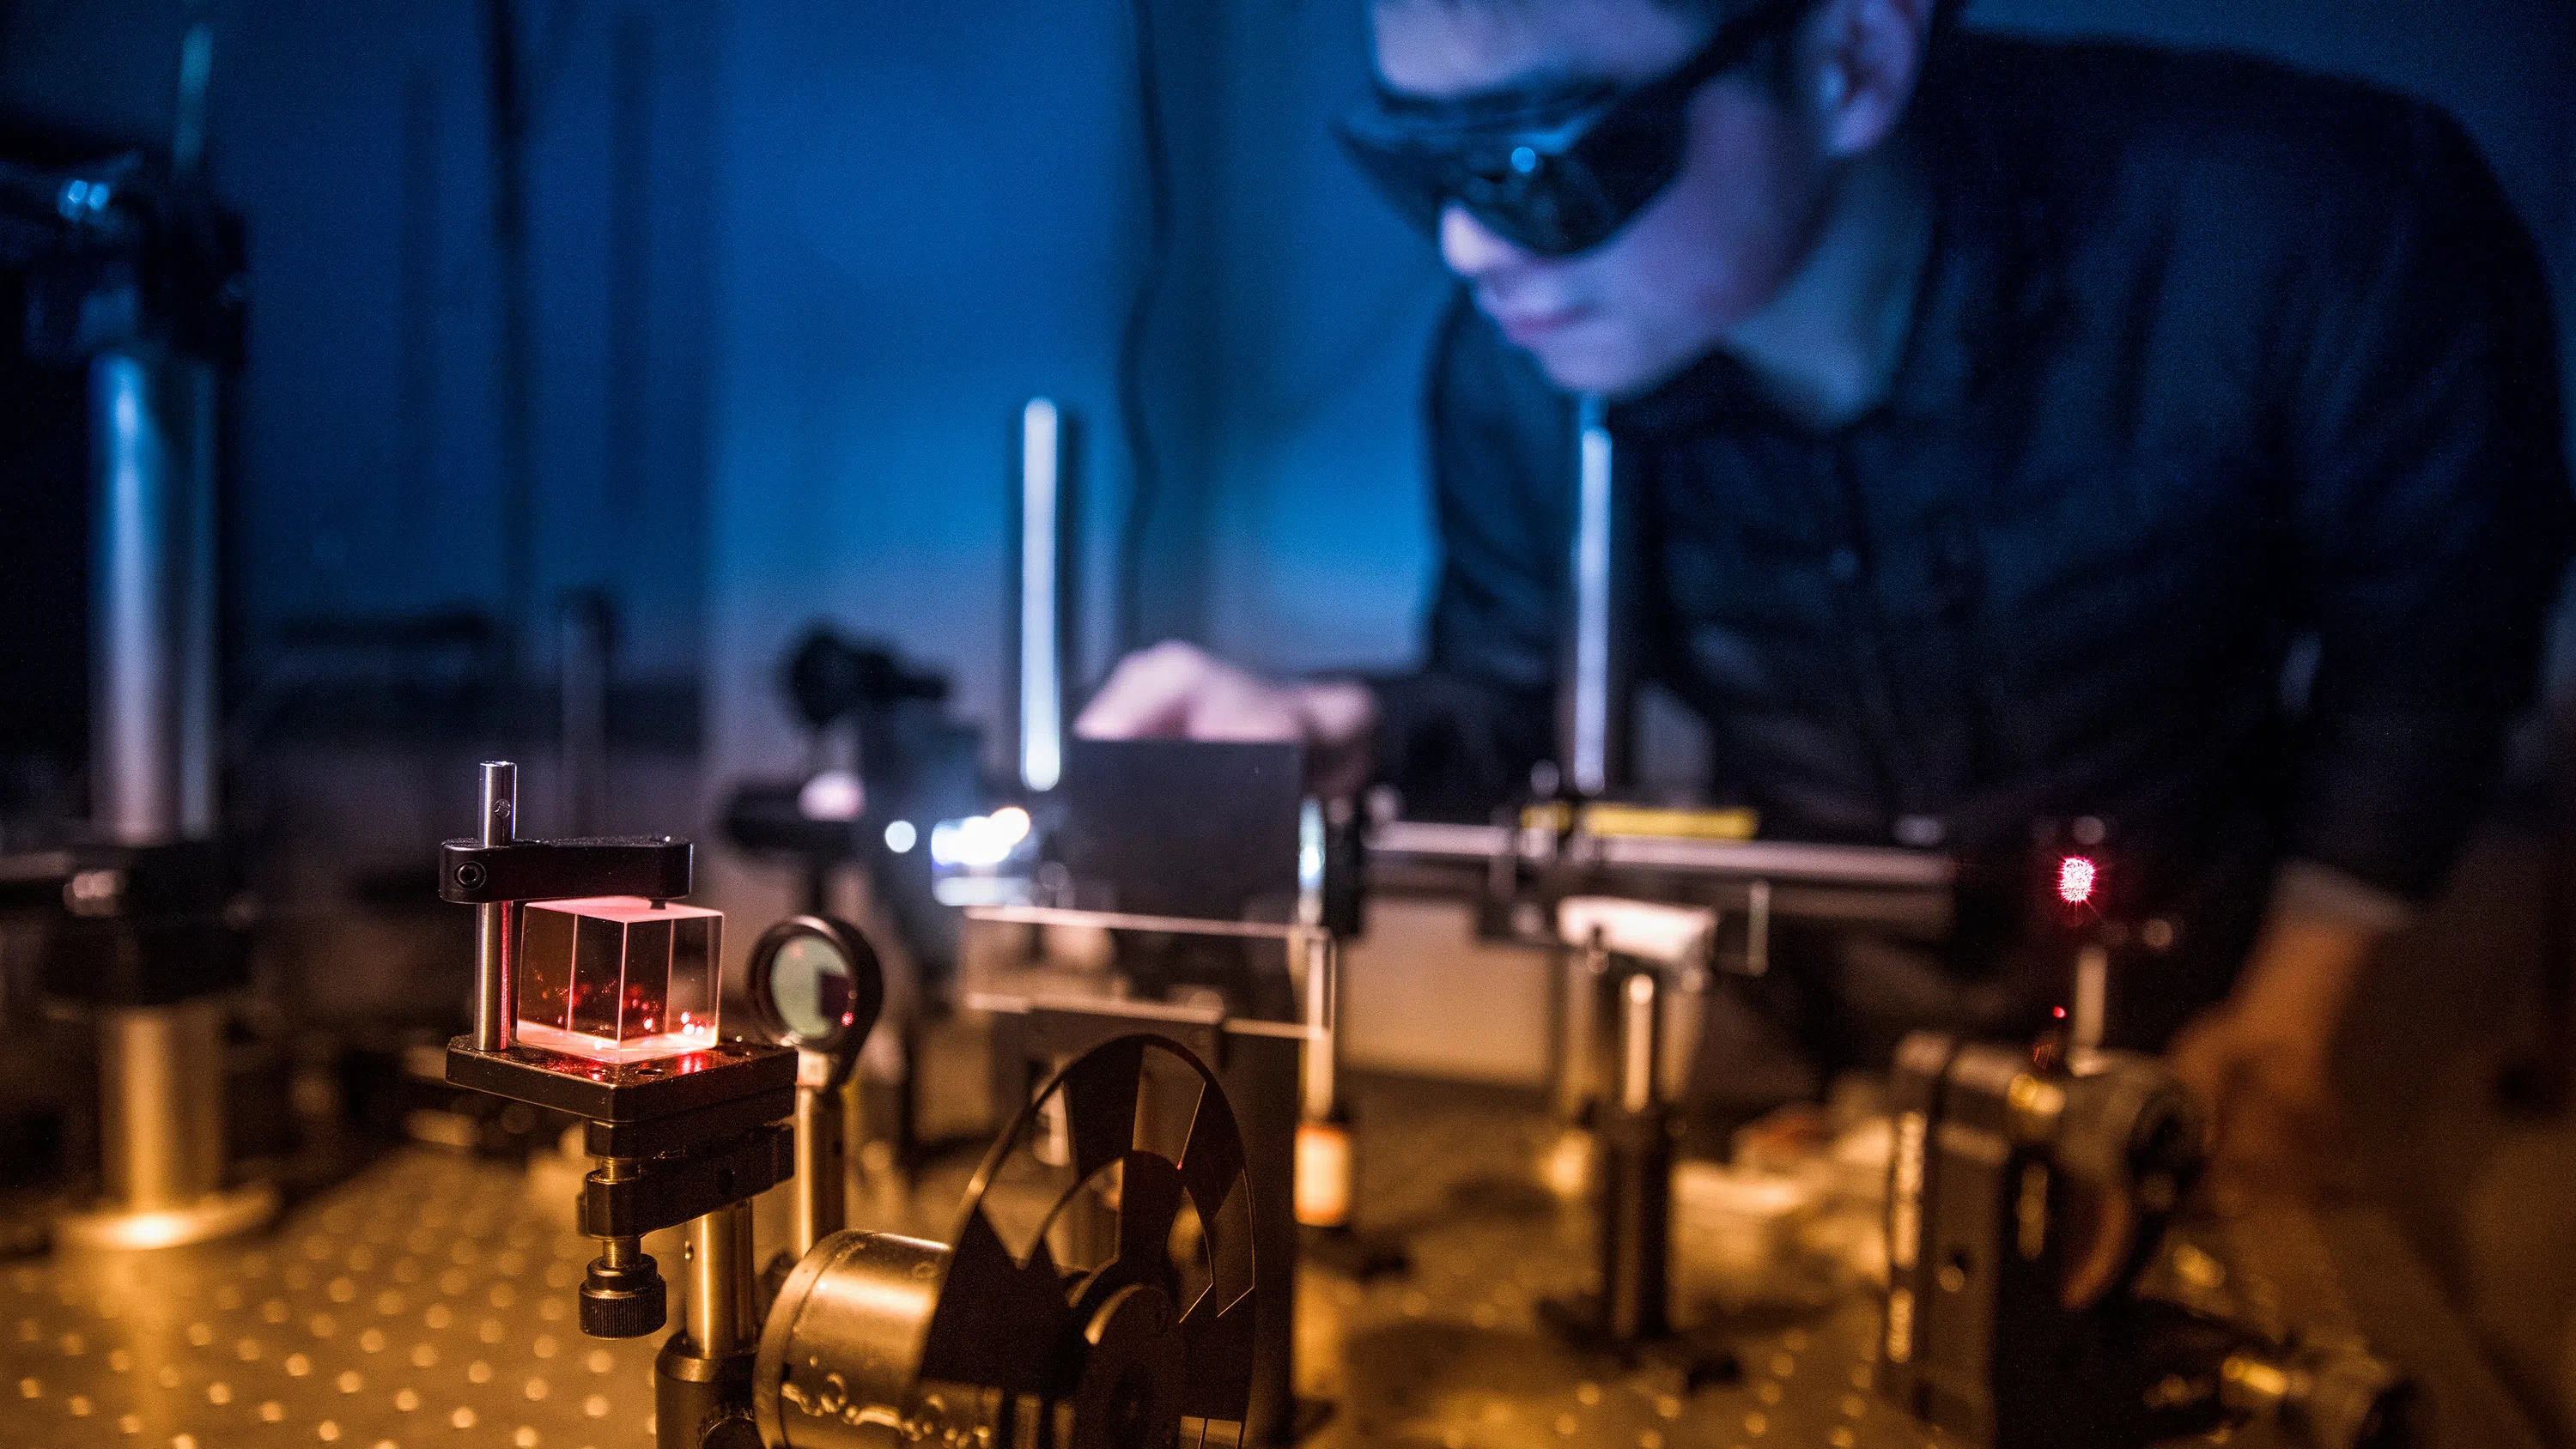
(2075,876)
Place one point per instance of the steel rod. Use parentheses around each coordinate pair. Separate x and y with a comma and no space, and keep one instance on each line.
(719,1312)
(496,968)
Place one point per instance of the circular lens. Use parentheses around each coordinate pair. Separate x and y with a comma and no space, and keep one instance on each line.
(809,983)
(816,986)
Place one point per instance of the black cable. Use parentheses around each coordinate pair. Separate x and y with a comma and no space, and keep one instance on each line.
(1143,470)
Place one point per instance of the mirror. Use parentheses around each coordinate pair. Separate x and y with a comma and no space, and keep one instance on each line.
(815,985)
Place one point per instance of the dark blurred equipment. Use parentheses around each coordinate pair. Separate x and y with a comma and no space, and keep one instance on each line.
(1099,1288)
(1040,1024)
(127,270)
(889,782)
(1181,828)
(1633,956)
(884,765)
(587,650)
(2014,1177)
(1214,896)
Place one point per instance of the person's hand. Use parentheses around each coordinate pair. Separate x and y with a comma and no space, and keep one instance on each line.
(1179,691)
(2260,1062)
(2269,1100)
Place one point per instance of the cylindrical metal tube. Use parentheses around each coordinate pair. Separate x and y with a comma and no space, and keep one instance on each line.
(1042,595)
(846,1336)
(819,1204)
(152,598)
(2092,997)
(1636,1225)
(1578,1027)
(1317,1087)
(1636,1172)
(160,1117)
(1638,1000)
(496,968)
(719,1317)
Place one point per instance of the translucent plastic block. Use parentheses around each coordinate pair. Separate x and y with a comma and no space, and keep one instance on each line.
(619,978)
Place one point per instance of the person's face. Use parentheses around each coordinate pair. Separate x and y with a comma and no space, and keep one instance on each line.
(1705,254)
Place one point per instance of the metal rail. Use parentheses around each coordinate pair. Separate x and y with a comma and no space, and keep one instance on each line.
(1771,860)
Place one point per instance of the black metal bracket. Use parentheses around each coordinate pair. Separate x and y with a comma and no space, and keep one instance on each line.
(668,1191)
(654,1136)
(126,925)
(656,867)
(624,1092)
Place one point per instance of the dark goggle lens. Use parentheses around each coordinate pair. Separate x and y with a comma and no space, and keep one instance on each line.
(1572,183)
(1555,205)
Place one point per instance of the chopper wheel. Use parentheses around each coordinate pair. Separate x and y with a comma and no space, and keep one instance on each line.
(1098,1293)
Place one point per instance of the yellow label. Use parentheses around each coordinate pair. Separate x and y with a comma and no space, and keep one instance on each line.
(1554,815)
(1651,823)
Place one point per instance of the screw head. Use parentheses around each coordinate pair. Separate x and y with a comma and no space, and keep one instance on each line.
(471,875)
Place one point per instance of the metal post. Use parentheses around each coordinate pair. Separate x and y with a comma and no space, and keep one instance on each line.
(1042,645)
(1637,1042)
(1594,728)
(1317,1091)
(161,1122)
(1318,965)
(496,966)
(1636,1176)
(153,780)
(162,1135)
(1578,1030)
(719,1317)
(2092,998)
(819,1205)
(152,599)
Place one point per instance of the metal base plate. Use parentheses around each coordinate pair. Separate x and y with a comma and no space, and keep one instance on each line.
(429,1295)
(216,1215)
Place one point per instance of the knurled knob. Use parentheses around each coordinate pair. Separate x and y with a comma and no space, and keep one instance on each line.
(623,1300)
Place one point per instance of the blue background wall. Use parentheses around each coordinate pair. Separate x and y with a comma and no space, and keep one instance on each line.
(797,264)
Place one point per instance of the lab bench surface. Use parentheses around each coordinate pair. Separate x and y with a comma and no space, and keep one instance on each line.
(428,1301)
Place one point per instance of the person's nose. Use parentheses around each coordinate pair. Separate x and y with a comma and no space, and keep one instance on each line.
(1474,251)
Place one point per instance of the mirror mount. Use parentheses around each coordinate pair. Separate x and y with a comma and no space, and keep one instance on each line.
(801,969)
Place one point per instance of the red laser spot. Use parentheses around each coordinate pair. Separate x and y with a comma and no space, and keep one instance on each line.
(2075,875)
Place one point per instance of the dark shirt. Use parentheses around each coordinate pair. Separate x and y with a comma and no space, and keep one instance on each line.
(2210,357)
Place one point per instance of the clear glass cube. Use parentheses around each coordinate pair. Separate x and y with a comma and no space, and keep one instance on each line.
(619,978)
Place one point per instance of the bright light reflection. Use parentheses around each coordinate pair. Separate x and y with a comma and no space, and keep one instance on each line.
(900,837)
(979,841)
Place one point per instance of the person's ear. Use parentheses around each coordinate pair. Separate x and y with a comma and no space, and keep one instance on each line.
(1860,68)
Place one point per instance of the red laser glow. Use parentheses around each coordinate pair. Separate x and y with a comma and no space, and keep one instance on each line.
(2075,876)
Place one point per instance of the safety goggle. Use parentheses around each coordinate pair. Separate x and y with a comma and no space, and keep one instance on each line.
(1558,174)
